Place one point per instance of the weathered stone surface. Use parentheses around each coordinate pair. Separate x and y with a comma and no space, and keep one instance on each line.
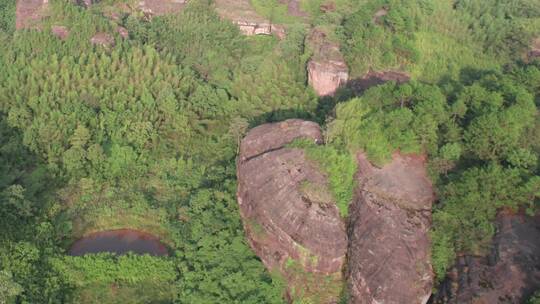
(289,215)
(327,69)
(389,259)
(241,13)
(269,137)
(103,39)
(29,13)
(60,31)
(509,274)
(252,28)
(374,78)
(161,7)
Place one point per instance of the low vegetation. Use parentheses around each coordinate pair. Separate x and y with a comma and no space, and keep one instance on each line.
(144,134)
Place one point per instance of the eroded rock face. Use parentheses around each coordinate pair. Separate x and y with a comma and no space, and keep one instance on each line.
(290,217)
(509,274)
(252,28)
(327,69)
(241,13)
(374,78)
(389,247)
(29,13)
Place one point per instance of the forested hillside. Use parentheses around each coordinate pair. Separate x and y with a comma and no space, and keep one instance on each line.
(143,133)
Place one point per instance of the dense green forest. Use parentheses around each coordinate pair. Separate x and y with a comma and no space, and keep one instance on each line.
(144,134)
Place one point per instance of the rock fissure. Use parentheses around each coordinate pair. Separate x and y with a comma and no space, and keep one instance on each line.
(287,195)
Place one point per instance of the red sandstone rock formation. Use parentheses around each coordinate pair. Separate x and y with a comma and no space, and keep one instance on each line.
(289,215)
(509,274)
(389,248)
(29,13)
(327,69)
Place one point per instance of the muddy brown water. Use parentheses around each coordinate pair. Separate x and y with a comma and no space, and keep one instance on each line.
(119,241)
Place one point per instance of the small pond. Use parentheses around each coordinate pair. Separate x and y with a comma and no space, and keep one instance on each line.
(119,241)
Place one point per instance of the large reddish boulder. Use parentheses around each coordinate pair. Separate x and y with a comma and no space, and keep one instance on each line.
(389,247)
(29,13)
(290,218)
(510,273)
(327,70)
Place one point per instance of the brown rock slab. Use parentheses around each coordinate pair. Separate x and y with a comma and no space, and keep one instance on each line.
(290,218)
(327,70)
(510,273)
(29,13)
(103,39)
(390,218)
(60,31)
(269,137)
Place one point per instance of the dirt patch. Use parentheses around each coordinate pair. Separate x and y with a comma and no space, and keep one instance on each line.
(293,8)
(29,13)
(535,49)
(60,31)
(103,39)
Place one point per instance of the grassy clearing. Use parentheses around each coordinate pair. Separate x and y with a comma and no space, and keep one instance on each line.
(339,167)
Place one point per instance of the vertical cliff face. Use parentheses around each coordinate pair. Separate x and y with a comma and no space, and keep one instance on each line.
(290,217)
(327,70)
(509,274)
(389,248)
(29,13)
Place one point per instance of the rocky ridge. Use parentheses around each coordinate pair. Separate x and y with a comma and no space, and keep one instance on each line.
(510,273)
(293,224)
(290,217)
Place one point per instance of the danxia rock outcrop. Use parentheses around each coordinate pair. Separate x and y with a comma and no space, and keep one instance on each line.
(290,218)
(510,273)
(327,70)
(389,247)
